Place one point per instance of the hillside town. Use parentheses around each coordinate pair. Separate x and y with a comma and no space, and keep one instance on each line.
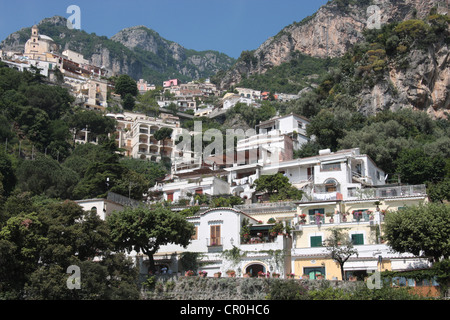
(281,238)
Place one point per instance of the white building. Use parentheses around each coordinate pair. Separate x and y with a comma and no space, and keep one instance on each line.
(135,133)
(218,230)
(331,175)
(103,207)
(229,101)
(292,125)
(249,93)
(182,188)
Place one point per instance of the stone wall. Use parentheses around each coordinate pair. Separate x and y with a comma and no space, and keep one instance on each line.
(198,288)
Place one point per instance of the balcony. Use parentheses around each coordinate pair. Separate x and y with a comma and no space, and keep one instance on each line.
(389,192)
(257,244)
(267,207)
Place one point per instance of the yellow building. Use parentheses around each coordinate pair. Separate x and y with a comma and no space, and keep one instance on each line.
(37,47)
(362,221)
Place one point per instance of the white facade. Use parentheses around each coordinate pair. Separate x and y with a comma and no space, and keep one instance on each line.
(331,175)
(103,207)
(292,125)
(135,133)
(249,93)
(218,230)
(174,191)
(230,101)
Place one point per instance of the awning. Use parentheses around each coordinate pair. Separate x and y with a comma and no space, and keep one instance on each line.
(301,185)
(261,227)
(334,161)
(362,265)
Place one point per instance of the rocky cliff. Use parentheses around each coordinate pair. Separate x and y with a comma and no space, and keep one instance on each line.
(330,32)
(138,52)
(423,85)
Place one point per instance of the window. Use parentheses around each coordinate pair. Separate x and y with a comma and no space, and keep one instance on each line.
(313,273)
(215,236)
(195,236)
(316,215)
(316,241)
(331,185)
(358,239)
(331,167)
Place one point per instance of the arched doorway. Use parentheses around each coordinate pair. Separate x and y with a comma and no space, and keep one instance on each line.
(254,268)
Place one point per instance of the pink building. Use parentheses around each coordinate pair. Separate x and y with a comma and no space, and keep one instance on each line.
(171,83)
(143,86)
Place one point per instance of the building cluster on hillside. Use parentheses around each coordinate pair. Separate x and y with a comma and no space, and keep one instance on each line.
(196,96)
(343,189)
(84,80)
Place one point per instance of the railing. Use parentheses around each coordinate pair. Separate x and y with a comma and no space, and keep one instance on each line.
(267,207)
(386,192)
(214,241)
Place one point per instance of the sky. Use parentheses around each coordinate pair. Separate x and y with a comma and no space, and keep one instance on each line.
(228,26)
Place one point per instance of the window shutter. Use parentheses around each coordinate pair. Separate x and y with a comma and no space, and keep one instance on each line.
(316,241)
(358,239)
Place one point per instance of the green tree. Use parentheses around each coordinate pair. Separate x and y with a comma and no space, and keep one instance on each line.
(161,135)
(102,174)
(45,176)
(340,247)
(417,167)
(277,187)
(146,230)
(422,230)
(126,85)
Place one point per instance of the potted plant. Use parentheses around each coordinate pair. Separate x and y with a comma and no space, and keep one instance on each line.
(202,274)
(344,216)
(275,275)
(331,216)
(231,273)
(217,274)
(320,277)
(302,218)
(305,277)
(377,203)
(247,275)
(261,274)
(290,275)
(189,273)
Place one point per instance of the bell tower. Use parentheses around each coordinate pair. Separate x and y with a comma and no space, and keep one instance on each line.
(34,33)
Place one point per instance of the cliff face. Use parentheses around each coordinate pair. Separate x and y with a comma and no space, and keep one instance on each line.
(190,63)
(138,52)
(330,32)
(423,85)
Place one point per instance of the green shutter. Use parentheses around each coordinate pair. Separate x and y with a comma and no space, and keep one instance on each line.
(358,239)
(316,241)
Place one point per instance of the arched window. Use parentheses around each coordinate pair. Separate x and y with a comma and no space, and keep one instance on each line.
(331,185)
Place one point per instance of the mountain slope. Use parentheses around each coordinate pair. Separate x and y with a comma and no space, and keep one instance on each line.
(330,32)
(138,52)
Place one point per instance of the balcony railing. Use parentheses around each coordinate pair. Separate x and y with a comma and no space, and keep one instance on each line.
(214,241)
(387,192)
(267,207)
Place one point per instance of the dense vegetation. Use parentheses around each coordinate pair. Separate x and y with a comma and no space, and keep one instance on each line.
(39,155)
(300,72)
